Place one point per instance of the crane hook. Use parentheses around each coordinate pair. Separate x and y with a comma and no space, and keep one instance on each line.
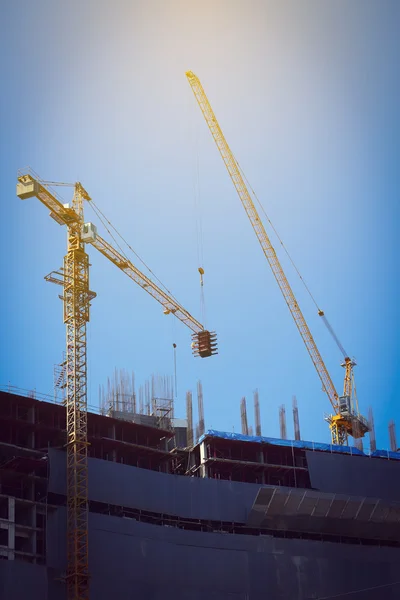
(201,271)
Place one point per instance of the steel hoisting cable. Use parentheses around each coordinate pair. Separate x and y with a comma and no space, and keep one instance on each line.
(198,223)
(333,334)
(102,216)
(176,382)
(196,197)
(96,210)
(278,236)
(202,302)
(320,312)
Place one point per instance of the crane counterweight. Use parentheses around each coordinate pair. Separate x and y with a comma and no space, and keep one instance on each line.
(27,188)
(89,233)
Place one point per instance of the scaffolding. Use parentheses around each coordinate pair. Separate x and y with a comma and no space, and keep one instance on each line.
(60,380)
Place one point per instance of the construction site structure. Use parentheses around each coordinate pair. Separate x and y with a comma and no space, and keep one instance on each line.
(189,418)
(296,420)
(197,432)
(346,419)
(358,443)
(243,416)
(257,416)
(200,405)
(77,298)
(119,394)
(249,511)
(282,422)
(371,425)
(119,399)
(392,436)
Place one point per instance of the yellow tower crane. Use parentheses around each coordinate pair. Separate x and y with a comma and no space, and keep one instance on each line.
(346,419)
(74,277)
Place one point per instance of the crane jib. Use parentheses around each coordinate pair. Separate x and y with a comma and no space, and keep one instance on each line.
(30,185)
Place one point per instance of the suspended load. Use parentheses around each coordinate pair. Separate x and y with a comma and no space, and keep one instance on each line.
(204,343)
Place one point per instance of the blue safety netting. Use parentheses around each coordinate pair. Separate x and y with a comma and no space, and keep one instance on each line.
(278,442)
(386,454)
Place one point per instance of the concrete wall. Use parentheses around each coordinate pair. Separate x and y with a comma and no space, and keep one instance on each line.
(131,560)
(20,581)
(191,497)
(223,500)
(355,475)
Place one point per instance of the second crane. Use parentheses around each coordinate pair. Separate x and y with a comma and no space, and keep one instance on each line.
(346,419)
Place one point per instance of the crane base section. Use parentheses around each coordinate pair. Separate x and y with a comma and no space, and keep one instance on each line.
(204,343)
(344,424)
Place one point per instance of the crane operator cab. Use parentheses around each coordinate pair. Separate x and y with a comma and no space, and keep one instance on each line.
(345,406)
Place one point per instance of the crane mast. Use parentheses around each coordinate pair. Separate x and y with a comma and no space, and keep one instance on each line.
(341,423)
(76,304)
(76,314)
(74,277)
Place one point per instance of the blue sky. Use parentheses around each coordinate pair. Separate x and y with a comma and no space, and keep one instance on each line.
(307,95)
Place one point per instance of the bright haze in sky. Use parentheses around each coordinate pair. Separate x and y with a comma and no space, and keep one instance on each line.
(307,95)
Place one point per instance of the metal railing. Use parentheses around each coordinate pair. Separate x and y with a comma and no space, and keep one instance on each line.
(12,389)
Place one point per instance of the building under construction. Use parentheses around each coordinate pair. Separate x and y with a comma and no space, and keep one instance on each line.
(186,512)
(225,516)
